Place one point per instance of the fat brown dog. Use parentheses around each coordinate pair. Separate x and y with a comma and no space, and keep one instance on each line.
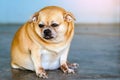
(43,42)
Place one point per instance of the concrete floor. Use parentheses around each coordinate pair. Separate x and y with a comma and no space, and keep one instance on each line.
(96,48)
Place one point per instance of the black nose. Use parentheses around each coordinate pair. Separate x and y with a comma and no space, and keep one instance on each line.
(47,32)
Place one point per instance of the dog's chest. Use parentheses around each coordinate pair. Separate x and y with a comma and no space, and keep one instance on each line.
(50,59)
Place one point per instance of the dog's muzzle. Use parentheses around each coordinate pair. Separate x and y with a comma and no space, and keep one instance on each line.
(48,34)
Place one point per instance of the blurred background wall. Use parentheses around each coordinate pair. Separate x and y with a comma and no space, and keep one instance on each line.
(85,11)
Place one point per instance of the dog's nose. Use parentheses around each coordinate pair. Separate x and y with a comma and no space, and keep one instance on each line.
(47,32)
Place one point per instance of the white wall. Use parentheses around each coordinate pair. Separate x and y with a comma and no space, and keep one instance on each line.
(85,11)
(98,11)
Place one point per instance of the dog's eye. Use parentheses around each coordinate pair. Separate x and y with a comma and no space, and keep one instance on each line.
(41,25)
(55,25)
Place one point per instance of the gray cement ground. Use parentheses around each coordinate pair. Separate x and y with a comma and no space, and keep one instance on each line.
(96,48)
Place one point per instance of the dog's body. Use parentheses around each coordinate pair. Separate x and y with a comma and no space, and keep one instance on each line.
(44,41)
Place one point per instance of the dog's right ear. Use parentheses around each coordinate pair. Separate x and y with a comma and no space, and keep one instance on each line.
(34,18)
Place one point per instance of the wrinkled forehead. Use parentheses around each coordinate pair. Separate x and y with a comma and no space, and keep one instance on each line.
(49,16)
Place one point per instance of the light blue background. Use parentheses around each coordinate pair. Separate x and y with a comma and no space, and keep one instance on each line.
(19,11)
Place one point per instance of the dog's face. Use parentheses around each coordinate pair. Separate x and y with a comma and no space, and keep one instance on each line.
(51,25)
(52,22)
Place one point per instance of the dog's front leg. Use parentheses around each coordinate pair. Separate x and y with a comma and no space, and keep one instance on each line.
(36,58)
(63,62)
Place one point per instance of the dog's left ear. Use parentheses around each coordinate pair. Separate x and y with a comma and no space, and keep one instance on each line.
(68,16)
(34,18)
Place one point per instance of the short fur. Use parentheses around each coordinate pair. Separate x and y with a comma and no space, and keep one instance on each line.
(29,50)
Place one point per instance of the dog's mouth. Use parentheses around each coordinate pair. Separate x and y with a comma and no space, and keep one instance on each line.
(48,37)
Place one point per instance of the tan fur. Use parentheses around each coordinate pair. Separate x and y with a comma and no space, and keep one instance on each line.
(28,46)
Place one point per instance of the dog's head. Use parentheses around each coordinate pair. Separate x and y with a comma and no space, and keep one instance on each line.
(52,22)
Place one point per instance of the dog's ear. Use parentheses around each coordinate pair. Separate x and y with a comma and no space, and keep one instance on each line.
(34,18)
(68,16)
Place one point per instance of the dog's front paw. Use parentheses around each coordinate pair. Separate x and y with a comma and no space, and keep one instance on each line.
(41,73)
(70,71)
(65,69)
